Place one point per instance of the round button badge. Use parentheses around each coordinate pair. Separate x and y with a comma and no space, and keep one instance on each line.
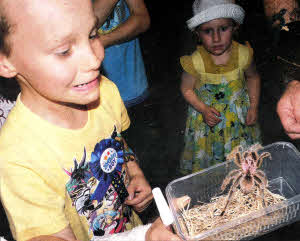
(108,160)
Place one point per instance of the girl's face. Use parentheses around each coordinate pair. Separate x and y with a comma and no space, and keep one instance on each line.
(216,35)
(55,51)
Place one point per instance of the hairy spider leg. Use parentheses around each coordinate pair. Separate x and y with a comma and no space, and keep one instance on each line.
(232,154)
(261,188)
(230,176)
(245,155)
(235,184)
(254,156)
(262,176)
(238,159)
(262,156)
(255,147)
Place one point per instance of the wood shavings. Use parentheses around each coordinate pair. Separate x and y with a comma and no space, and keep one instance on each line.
(204,217)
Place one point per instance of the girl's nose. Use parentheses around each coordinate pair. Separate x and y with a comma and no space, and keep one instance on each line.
(216,36)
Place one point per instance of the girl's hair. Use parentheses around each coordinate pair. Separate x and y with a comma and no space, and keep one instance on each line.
(4,32)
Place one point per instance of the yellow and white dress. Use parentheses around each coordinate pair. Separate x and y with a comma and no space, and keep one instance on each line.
(224,88)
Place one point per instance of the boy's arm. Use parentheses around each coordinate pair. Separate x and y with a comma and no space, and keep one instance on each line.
(140,192)
(64,235)
(137,23)
(253,86)
(35,207)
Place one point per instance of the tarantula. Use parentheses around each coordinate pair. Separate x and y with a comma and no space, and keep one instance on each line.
(247,176)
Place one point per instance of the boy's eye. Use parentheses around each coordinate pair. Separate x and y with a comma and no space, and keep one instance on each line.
(63,53)
(94,34)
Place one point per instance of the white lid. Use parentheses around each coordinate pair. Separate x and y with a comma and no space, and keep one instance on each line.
(162,206)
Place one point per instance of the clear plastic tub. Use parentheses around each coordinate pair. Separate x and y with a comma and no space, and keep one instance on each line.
(283,173)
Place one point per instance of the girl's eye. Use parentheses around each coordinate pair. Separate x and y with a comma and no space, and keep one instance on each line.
(224,28)
(207,31)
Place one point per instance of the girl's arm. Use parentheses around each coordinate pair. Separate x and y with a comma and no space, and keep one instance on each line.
(210,114)
(187,90)
(253,86)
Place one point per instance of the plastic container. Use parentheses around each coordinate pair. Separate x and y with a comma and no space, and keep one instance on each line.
(283,173)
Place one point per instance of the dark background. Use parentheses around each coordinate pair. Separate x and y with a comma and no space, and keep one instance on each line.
(158,147)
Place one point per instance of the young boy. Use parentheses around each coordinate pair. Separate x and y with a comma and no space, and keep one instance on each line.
(65,171)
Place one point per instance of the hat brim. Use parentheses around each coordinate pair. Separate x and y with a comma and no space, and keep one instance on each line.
(230,10)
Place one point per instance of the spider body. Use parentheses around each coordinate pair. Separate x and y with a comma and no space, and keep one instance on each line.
(248,176)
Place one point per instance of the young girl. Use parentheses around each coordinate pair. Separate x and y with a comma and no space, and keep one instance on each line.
(221,85)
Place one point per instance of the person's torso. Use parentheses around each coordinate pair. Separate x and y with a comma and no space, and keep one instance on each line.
(85,166)
(223,86)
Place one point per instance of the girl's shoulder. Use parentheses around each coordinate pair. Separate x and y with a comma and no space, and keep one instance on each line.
(187,63)
(244,48)
(245,54)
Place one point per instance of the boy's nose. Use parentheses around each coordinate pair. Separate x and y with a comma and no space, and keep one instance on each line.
(93,58)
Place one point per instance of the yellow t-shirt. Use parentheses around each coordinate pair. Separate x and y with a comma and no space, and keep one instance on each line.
(38,160)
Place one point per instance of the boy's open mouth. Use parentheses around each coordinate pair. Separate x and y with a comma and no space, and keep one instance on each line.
(88,83)
(81,85)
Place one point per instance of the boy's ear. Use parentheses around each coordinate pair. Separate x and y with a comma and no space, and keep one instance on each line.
(7,70)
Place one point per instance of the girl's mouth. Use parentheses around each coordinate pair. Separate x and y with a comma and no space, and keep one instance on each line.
(218,47)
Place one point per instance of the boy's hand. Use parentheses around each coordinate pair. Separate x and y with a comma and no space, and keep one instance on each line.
(140,193)
(158,231)
(210,115)
(251,116)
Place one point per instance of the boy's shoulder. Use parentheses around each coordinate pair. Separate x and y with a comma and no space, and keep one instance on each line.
(107,87)
(109,92)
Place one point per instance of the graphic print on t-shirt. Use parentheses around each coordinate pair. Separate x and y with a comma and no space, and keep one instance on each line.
(97,187)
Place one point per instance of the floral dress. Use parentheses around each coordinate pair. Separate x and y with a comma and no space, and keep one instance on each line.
(224,88)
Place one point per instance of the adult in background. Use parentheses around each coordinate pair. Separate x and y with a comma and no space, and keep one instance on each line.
(284,16)
(288,57)
(279,13)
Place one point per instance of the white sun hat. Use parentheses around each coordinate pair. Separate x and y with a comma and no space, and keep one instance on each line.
(207,10)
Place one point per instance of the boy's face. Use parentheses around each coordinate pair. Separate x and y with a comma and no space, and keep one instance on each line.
(55,50)
(216,35)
